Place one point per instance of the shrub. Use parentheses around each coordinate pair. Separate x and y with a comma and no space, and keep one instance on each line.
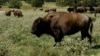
(15,4)
(37,3)
(0,6)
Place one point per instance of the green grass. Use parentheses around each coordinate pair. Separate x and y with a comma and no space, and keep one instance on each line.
(26,6)
(16,39)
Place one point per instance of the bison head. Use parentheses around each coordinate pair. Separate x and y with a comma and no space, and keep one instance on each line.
(38,27)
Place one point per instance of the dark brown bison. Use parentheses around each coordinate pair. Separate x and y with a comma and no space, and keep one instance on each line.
(46,10)
(8,12)
(18,13)
(58,24)
(51,10)
(41,9)
(70,9)
(96,10)
(81,10)
(91,9)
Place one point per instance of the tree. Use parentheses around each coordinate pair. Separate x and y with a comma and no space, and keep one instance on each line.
(50,0)
(61,2)
(15,4)
(37,3)
(93,3)
(75,3)
(2,2)
(28,1)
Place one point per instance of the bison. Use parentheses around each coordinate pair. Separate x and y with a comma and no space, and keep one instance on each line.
(8,12)
(51,10)
(81,10)
(46,10)
(59,24)
(91,9)
(18,13)
(41,9)
(70,9)
(96,10)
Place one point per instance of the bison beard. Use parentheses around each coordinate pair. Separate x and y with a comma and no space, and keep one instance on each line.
(58,24)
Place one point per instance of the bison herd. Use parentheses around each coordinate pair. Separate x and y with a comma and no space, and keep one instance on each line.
(94,10)
(15,12)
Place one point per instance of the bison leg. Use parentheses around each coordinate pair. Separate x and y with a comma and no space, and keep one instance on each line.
(83,34)
(58,36)
(18,15)
(86,34)
(90,37)
(59,43)
(95,14)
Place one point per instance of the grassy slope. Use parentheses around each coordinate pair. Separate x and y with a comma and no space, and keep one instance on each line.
(16,39)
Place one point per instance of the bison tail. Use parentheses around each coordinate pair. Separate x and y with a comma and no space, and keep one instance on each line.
(91,25)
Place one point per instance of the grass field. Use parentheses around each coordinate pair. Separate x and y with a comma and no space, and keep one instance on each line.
(16,39)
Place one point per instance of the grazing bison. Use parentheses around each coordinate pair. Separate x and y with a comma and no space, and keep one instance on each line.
(8,12)
(18,13)
(41,9)
(51,10)
(91,9)
(81,10)
(46,10)
(96,10)
(70,9)
(58,24)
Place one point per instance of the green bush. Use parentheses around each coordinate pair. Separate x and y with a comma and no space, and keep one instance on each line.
(14,4)
(0,6)
(61,3)
(28,1)
(50,0)
(37,3)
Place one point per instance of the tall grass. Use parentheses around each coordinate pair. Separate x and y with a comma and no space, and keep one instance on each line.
(16,39)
